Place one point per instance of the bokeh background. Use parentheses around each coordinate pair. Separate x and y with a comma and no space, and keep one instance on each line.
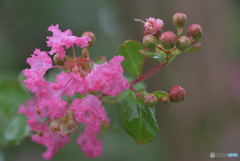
(209,118)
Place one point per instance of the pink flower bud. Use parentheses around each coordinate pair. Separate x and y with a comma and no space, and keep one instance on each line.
(176,94)
(179,19)
(91,35)
(195,30)
(183,43)
(150,99)
(168,39)
(152,26)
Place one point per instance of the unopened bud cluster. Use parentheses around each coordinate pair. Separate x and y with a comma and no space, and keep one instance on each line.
(174,95)
(168,40)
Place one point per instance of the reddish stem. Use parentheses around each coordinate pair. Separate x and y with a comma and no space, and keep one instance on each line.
(148,74)
(154,70)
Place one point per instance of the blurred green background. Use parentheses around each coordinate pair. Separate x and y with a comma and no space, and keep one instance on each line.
(209,118)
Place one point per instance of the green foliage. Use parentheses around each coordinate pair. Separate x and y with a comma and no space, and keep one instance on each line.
(13,126)
(161,57)
(137,119)
(160,94)
(172,58)
(133,61)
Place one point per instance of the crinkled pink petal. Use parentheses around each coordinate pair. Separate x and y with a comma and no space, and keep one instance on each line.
(89,111)
(46,96)
(70,83)
(40,62)
(83,41)
(108,77)
(36,122)
(52,141)
(61,40)
(50,99)
(90,145)
(35,119)
(153,25)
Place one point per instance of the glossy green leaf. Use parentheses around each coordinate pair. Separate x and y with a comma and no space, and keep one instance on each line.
(156,56)
(133,61)
(160,94)
(137,119)
(13,125)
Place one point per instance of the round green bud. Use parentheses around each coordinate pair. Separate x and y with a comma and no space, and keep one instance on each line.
(183,43)
(179,19)
(149,41)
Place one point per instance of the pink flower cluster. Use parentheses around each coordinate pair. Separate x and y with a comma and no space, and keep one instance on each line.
(51,114)
(153,26)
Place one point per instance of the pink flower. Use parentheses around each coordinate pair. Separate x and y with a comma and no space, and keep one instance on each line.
(61,40)
(90,145)
(35,116)
(71,83)
(51,100)
(52,141)
(108,77)
(51,114)
(152,26)
(91,113)
(40,62)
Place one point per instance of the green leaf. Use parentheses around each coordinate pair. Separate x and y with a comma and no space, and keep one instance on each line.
(160,94)
(133,59)
(173,57)
(156,56)
(137,119)
(13,125)
(176,52)
(16,130)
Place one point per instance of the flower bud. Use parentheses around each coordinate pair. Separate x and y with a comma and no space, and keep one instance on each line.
(183,43)
(179,19)
(168,39)
(195,30)
(149,41)
(176,94)
(57,60)
(153,26)
(85,53)
(150,99)
(91,35)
